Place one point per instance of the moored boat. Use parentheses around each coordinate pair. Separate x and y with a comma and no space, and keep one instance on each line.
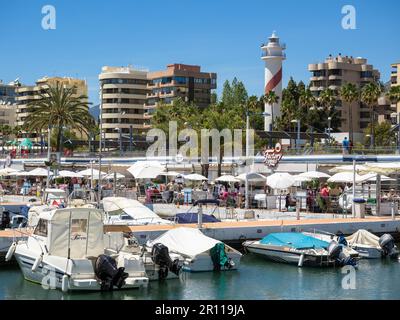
(67,251)
(297,248)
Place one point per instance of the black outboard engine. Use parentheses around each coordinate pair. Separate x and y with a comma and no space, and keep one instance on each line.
(335,252)
(388,246)
(160,255)
(106,270)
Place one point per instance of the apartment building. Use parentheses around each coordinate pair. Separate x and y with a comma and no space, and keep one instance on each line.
(27,94)
(335,72)
(124,93)
(180,80)
(8,107)
(395,81)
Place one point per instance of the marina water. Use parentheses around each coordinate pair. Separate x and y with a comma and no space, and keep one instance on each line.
(256,279)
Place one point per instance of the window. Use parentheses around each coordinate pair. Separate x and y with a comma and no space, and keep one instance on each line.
(41,228)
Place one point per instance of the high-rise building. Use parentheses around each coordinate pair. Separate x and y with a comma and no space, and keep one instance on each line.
(395,81)
(180,80)
(8,107)
(26,94)
(273,55)
(335,72)
(124,102)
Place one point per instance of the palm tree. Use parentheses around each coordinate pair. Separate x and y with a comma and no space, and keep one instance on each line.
(350,93)
(270,98)
(394,94)
(370,94)
(59,107)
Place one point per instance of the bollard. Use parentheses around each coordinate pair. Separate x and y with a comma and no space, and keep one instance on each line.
(297,209)
(392,210)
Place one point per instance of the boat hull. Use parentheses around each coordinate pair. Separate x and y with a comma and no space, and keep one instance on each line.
(284,255)
(203,263)
(50,276)
(367,252)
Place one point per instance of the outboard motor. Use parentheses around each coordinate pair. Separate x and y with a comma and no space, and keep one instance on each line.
(106,270)
(220,258)
(386,242)
(335,252)
(160,255)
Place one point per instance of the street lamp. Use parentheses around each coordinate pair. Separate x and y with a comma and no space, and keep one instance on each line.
(298,134)
(248,114)
(120,140)
(329,127)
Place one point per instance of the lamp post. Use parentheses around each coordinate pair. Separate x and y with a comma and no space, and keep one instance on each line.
(248,114)
(48,154)
(100,144)
(298,135)
(119,140)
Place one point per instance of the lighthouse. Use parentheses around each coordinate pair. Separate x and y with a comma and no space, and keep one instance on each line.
(273,55)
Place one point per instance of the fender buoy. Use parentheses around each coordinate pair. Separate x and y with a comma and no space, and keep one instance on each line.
(301,261)
(37,262)
(64,283)
(11,251)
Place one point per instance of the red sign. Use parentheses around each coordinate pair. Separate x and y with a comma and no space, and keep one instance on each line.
(273,156)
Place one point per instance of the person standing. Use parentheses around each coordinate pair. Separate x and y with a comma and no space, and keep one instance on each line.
(345,145)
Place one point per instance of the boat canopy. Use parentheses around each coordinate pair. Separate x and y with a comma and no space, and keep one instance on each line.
(133,208)
(77,229)
(193,217)
(185,241)
(295,240)
(363,237)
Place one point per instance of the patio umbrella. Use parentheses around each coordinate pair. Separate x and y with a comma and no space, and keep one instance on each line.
(8,171)
(349,168)
(300,178)
(38,172)
(146,169)
(370,177)
(343,177)
(314,175)
(170,173)
(280,180)
(26,143)
(88,173)
(383,168)
(252,177)
(195,177)
(112,176)
(69,174)
(227,178)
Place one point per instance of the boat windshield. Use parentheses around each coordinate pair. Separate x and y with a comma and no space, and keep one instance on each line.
(41,228)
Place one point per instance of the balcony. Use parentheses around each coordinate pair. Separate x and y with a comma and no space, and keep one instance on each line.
(335,77)
(270,55)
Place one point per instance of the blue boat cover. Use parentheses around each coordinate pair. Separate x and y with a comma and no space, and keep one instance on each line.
(193,218)
(295,240)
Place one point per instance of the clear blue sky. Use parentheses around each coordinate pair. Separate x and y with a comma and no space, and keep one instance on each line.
(220,35)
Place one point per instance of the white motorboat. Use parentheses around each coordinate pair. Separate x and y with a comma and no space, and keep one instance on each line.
(199,252)
(67,251)
(370,246)
(124,211)
(339,239)
(297,248)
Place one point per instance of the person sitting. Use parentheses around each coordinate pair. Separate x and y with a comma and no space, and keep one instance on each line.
(289,201)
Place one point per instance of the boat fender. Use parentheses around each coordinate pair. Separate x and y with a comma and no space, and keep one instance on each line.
(64,283)
(11,251)
(37,262)
(301,261)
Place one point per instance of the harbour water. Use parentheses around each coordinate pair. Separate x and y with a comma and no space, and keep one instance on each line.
(257,279)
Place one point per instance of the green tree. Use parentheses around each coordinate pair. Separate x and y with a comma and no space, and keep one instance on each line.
(394,94)
(270,98)
(383,134)
(370,94)
(59,107)
(350,93)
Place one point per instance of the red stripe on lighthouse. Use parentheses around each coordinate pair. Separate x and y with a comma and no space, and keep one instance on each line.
(274,81)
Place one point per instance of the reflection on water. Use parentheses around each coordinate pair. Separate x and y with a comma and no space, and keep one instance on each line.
(256,279)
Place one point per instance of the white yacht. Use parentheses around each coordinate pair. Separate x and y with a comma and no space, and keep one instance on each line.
(68,250)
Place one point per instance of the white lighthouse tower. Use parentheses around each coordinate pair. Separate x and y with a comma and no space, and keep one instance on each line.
(273,56)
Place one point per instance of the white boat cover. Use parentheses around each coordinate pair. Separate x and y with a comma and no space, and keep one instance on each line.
(185,241)
(80,229)
(133,208)
(363,237)
(35,211)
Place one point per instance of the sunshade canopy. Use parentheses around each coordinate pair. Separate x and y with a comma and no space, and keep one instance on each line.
(146,169)
(280,180)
